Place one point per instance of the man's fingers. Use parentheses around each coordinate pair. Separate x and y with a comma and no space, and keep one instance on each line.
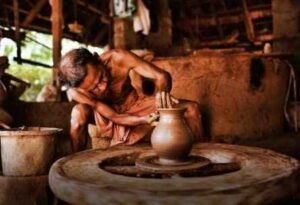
(152,117)
(154,123)
(71,92)
(168,99)
(69,96)
(163,99)
(174,100)
(158,100)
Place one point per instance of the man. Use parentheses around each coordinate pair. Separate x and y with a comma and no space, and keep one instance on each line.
(5,118)
(15,87)
(109,91)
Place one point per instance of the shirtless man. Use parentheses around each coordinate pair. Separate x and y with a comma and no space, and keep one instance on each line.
(108,91)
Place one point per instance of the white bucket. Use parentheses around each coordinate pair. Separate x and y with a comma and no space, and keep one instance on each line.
(27,152)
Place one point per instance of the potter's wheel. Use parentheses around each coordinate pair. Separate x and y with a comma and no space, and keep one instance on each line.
(111,177)
(152,163)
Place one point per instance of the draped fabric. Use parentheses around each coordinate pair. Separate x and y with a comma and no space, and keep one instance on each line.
(141,19)
(120,134)
(124,8)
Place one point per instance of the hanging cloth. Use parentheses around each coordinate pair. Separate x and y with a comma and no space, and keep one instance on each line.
(124,8)
(141,19)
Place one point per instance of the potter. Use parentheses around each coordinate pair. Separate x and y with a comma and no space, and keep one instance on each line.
(110,92)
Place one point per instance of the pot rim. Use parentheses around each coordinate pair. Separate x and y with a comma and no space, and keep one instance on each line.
(30,131)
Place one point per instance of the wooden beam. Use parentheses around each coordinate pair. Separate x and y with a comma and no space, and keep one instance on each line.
(17,29)
(205,22)
(57,22)
(26,12)
(38,42)
(45,30)
(265,37)
(248,22)
(216,19)
(29,2)
(38,28)
(100,35)
(92,8)
(88,28)
(240,10)
(111,27)
(33,12)
(9,33)
(228,41)
(33,63)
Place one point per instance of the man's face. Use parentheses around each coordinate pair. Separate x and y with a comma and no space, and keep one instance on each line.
(95,82)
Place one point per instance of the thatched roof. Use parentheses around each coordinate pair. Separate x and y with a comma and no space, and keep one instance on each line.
(204,22)
(36,15)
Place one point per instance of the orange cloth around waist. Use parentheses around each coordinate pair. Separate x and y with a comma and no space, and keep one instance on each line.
(120,134)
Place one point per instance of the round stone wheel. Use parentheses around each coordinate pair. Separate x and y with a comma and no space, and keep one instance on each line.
(265,177)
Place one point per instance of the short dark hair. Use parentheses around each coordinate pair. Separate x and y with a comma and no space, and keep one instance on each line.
(73,66)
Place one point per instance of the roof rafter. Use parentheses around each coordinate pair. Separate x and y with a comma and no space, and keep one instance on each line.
(33,12)
(92,8)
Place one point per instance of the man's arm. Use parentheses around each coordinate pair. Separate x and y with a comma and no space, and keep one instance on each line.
(126,61)
(122,119)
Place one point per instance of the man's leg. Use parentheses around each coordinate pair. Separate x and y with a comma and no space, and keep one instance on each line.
(80,116)
(193,118)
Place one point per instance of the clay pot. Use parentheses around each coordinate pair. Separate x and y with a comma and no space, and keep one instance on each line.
(172,139)
(27,152)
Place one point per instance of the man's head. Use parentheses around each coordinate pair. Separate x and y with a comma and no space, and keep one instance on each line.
(82,69)
(73,66)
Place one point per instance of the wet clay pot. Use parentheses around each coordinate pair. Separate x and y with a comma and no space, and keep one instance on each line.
(172,139)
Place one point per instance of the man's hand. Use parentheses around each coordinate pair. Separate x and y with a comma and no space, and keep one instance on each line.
(81,96)
(165,100)
(153,118)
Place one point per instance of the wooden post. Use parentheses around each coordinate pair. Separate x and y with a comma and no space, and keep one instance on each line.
(17,29)
(248,22)
(111,33)
(111,25)
(57,22)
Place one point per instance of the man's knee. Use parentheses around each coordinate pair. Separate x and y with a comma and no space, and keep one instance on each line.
(80,114)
